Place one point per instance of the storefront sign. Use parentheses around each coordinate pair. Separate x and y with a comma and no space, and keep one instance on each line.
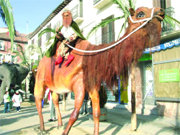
(164,46)
(169,75)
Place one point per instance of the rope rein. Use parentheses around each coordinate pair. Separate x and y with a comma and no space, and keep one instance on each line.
(106,48)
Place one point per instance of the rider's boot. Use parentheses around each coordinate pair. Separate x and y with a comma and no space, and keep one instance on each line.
(59,60)
(69,59)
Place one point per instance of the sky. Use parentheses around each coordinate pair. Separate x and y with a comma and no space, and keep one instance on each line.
(29,14)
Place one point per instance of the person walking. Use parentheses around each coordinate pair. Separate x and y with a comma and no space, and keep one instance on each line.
(48,95)
(17,99)
(6,102)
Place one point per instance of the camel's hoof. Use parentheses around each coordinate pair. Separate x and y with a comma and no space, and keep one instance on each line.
(37,129)
(64,134)
(40,132)
(43,133)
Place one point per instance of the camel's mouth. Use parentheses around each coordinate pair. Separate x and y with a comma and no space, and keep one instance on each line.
(160,15)
(160,18)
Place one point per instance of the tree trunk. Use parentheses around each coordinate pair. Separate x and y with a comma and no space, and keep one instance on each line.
(27,85)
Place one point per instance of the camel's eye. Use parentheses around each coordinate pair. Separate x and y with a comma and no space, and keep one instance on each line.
(140,14)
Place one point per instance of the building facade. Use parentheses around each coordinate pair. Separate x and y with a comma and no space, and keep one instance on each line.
(6,55)
(89,13)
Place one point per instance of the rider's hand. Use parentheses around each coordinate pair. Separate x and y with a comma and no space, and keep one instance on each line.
(59,36)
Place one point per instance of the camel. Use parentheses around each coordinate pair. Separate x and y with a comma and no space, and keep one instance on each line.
(88,70)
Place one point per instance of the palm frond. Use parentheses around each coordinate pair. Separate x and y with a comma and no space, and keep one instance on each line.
(103,24)
(123,25)
(45,31)
(51,38)
(171,20)
(41,54)
(21,54)
(9,19)
(39,51)
(132,4)
(122,5)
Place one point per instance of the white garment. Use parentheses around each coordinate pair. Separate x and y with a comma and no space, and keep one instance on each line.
(46,93)
(16,100)
(6,98)
(67,32)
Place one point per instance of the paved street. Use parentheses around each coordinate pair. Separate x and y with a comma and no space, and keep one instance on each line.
(26,122)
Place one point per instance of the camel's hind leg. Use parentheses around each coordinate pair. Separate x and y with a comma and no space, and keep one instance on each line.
(79,97)
(39,94)
(55,98)
(94,95)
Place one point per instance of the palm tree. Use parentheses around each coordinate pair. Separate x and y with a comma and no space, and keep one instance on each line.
(26,55)
(125,5)
(6,14)
(26,60)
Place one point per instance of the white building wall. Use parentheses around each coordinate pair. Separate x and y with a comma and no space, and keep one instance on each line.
(144,3)
(92,16)
(177,11)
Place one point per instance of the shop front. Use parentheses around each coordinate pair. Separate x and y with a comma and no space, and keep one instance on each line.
(166,77)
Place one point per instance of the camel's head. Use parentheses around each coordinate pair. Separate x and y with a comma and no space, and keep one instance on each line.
(144,13)
(153,28)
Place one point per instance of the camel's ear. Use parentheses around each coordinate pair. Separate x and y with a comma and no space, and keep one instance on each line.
(131,10)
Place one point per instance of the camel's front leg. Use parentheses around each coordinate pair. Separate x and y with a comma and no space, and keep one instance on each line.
(94,95)
(55,98)
(39,109)
(79,97)
(39,92)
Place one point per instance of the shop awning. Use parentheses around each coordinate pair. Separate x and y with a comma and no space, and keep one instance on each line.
(164,46)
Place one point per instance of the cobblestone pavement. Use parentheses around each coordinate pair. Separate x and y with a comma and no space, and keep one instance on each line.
(26,122)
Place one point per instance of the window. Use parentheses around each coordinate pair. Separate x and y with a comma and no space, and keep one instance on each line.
(165,4)
(39,41)
(162,3)
(8,58)
(33,42)
(2,45)
(77,12)
(108,32)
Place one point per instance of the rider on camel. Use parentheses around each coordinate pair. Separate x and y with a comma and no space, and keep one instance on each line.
(68,33)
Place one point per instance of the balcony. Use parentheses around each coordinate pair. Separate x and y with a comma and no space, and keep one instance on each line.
(101,3)
(77,14)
